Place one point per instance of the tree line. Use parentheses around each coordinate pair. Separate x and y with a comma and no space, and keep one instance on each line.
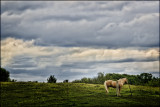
(142,79)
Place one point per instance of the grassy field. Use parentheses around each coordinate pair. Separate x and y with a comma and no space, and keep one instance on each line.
(75,94)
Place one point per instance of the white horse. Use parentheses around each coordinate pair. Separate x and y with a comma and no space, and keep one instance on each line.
(115,84)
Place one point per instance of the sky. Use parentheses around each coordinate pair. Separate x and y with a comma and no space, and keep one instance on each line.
(76,39)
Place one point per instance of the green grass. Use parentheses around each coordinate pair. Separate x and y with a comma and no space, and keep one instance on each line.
(75,94)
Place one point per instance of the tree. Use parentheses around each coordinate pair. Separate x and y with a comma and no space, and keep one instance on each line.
(65,81)
(145,77)
(51,79)
(100,78)
(4,75)
(13,80)
(84,80)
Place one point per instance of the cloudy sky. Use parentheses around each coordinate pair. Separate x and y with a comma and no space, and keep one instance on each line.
(75,39)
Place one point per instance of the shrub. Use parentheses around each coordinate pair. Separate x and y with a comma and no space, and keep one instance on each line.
(52,79)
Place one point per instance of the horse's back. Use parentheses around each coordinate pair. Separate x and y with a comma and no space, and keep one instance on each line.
(108,82)
(111,83)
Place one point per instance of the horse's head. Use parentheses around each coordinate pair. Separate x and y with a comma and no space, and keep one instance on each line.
(126,80)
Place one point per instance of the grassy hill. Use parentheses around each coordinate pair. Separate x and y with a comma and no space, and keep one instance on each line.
(75,94)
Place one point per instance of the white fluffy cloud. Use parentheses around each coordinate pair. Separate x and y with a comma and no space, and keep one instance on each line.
(15,47)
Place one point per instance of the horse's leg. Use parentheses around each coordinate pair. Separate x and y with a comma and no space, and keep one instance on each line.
(119,91)
(107,91)
(116,92)
(117,88)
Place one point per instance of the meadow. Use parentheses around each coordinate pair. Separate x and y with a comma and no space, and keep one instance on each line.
(75,94)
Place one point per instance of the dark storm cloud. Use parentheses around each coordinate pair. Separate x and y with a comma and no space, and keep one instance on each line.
(93,24)
(23,61)
(91,64)
(19,7)
(59,72)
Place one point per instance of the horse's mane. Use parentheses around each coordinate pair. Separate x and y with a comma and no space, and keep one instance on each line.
(123,80)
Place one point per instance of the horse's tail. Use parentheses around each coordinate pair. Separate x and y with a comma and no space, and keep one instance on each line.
(105,85)
(117,88)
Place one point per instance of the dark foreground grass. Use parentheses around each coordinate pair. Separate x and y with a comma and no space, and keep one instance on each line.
(75,94)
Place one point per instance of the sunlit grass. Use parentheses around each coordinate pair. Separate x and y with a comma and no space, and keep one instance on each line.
(75,94)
